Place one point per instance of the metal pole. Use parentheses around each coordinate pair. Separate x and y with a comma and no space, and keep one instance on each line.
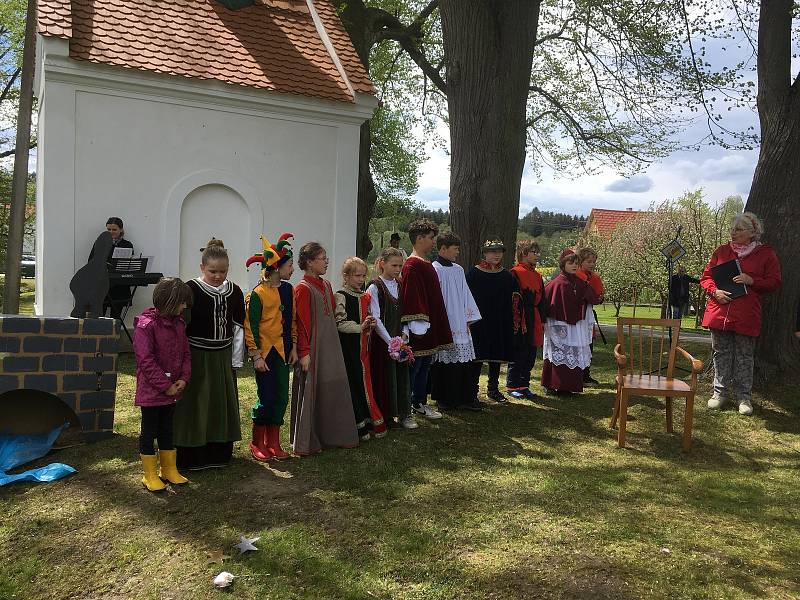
(19,189)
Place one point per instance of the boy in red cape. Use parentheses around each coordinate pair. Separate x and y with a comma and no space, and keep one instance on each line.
(424,314)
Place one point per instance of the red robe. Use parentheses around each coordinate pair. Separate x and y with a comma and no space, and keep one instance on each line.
(531,280)
(421,300)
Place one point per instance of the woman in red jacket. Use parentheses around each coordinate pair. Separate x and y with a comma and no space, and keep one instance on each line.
(736,323)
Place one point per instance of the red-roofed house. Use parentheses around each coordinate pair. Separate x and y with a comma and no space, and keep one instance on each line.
(603,221)
(190,120)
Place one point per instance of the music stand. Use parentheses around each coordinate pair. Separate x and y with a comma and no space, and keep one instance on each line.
(130,267)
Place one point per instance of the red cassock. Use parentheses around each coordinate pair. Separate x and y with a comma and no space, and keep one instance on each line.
(421,300)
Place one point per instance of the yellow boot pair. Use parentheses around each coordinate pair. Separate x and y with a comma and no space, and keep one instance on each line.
(152,478)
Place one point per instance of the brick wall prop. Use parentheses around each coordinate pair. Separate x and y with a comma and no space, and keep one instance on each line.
(73,359)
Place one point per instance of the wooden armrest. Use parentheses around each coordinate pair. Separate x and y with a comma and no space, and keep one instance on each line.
(621,359)
(697,364)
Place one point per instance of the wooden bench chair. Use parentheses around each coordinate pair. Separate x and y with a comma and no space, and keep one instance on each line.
(645,357)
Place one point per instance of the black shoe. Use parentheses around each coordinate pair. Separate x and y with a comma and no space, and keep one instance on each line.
(496,396)
(591,380)
(529,395)
(472,406)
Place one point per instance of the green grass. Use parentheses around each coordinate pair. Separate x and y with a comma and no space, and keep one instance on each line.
(529,500)
(27,294)
(606,314)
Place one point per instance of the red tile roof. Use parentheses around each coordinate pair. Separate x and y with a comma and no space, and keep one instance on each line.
(603,221)
(271,45)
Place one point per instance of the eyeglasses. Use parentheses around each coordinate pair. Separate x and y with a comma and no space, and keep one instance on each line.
(735,229)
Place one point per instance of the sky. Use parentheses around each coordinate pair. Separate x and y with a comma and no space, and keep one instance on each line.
(718,171)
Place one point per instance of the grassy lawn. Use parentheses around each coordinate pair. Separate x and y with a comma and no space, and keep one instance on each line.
(606,315)
(27,294)
(529,500)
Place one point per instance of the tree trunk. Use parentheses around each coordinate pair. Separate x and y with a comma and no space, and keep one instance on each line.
(19,186)
(489,50)
(775,192)
(367,196)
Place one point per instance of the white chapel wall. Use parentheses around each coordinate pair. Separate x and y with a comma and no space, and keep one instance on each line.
(119,153)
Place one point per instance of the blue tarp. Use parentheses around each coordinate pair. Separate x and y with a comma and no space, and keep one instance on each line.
(17,450)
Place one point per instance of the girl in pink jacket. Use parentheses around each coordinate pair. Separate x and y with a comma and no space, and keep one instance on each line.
(163,367)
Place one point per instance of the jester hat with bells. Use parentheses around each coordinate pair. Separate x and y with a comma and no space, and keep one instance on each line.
(272,257)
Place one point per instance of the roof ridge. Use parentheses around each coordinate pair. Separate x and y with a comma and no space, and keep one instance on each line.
(326,41)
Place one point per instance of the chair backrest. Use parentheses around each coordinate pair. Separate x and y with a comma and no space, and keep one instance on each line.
(647,345)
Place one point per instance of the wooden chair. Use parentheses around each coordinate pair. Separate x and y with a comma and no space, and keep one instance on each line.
(645,358)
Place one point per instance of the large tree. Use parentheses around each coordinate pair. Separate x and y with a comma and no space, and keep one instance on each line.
(775,191)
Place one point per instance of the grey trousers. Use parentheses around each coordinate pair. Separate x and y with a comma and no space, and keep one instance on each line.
(733,364)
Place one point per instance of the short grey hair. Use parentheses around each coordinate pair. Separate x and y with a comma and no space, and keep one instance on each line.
(750,222)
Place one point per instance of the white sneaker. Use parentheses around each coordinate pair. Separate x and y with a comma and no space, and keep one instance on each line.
(746,408)
(426,411)
(366,437)
(716,402)
(409,423)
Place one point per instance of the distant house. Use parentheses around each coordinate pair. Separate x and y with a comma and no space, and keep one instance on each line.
(602,221)
(190,120)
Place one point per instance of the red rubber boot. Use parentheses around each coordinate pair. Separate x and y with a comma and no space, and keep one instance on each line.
(274,442)
(259,447)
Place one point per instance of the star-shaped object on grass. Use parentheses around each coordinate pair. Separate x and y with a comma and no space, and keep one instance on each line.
(246,544)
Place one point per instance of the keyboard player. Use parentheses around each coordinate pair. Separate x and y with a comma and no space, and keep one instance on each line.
(118,295)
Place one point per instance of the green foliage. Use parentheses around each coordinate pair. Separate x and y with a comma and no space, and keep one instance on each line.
(614,81)
(630,261)
(537,222)
(12,35)
(5,209)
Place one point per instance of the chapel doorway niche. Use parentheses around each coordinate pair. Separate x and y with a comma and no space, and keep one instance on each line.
(216,210)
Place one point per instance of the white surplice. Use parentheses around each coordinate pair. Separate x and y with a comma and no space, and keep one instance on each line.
(461,312)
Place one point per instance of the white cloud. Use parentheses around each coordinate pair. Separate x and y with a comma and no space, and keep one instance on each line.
(637,184)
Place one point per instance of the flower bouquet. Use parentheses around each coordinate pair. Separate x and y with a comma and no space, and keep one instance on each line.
(400,351)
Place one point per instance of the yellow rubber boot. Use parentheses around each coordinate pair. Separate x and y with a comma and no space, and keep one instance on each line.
(150,479)
(168,469)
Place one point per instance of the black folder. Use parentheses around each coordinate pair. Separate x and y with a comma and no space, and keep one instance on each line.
(723,275)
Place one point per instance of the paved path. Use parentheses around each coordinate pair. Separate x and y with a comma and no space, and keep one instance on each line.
(700,338)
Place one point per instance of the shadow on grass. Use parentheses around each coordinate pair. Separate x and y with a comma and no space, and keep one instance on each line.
(522,501)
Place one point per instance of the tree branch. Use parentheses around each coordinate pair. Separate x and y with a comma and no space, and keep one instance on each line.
(389,27)
(9,83)
(590,139)
(14,150)
(555,35)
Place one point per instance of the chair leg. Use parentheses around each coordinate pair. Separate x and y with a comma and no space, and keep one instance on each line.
(623,418)
(669,414)
(688,417)
(615,412)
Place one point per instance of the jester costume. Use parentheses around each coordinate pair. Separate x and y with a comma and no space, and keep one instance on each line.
(270,334)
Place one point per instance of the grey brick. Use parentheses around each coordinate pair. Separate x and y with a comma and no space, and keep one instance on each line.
(109,345)
(62,326)
(60,362)
(14,324)
(8,383)
(69,399)
(101,326)
(85,345)
(45,383)
(40,343)
(88,420)
(9,343)
(105,420)
(20,364)
(108,382)
(79,383)
(92,400)
(98,363)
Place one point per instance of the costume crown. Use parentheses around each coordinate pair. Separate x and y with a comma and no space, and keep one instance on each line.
(273,256)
